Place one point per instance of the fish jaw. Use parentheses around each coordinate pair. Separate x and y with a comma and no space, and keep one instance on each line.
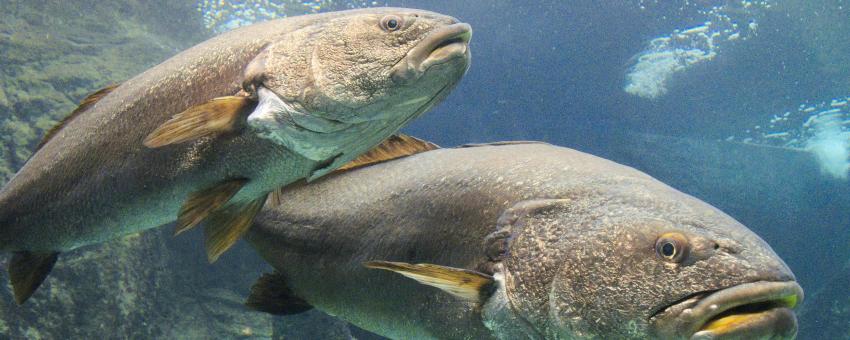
(747,311)
(442,46)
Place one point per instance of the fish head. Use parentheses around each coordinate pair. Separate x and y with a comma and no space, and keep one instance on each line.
(370,64)
(388,64)
(357,78)
(641,262)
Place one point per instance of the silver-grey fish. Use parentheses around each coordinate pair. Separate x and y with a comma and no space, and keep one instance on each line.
(533,241)
(207,134)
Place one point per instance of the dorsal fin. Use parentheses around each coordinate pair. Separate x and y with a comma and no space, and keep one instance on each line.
(272,295)
(396,146)
(275,197)
(466,284)
(84,105)
(511,142)
(27,270)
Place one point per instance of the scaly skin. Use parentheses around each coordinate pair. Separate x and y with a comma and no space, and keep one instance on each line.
(570,237)
(95,181)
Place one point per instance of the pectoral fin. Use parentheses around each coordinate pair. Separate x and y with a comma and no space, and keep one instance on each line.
(201,204)
(466,284)
(271,294)
(396,146)
(27,270)
(226,225)
(220,115)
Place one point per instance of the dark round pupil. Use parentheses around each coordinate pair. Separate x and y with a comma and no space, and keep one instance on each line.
(392,23)
(668,249)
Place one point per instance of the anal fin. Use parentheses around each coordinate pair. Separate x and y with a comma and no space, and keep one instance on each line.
(214,117)
(270,294)
(466,284)
(201,204)
(27,270)
(226,225)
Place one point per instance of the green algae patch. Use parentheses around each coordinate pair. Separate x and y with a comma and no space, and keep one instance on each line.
(55,53)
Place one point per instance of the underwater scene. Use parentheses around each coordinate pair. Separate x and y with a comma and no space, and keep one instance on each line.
(425,169)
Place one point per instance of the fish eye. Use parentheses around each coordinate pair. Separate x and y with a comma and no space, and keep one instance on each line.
(672,247)
(391,23)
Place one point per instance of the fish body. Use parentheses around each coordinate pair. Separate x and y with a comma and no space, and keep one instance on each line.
(242,113)
(534,241)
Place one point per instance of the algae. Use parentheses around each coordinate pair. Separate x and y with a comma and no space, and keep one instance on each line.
(52,54)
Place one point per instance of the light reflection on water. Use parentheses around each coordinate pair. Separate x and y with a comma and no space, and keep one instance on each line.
(725,22)
(221,15)
(820,128)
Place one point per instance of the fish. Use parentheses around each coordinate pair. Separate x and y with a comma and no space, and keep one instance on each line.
(518,240)
(206,135)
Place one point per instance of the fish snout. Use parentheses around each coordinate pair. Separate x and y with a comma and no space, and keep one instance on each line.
(443,45)
(763,309)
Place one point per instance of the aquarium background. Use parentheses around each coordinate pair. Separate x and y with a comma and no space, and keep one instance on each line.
(740,103)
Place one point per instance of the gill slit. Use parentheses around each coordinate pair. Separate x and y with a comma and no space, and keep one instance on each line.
(313,75)
(521,316)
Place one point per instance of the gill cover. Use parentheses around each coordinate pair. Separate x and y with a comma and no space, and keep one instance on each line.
(309,135)
(511,312)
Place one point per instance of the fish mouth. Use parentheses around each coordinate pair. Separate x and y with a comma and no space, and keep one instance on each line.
(746,311)
(444,45)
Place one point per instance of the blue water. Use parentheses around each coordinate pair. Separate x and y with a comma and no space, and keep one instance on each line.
(738,103)
(556,71)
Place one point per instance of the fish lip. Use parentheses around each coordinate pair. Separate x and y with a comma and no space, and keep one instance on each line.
(443,45)
(687,317)
(773,323)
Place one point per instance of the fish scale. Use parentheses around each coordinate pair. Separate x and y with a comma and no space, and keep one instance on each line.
(187,131)
(516,241)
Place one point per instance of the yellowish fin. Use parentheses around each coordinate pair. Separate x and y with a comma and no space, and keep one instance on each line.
(27,270)
(270,294)
(84,105)
(275,197)
(396,146)
(466,284)
(226,225)
(201,204)
(217,116)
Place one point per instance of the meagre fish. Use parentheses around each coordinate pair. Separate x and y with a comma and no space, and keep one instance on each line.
(534,242)
(207,134)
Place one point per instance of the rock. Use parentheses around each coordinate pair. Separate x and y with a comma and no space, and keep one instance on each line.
(310,325)
(103,290)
